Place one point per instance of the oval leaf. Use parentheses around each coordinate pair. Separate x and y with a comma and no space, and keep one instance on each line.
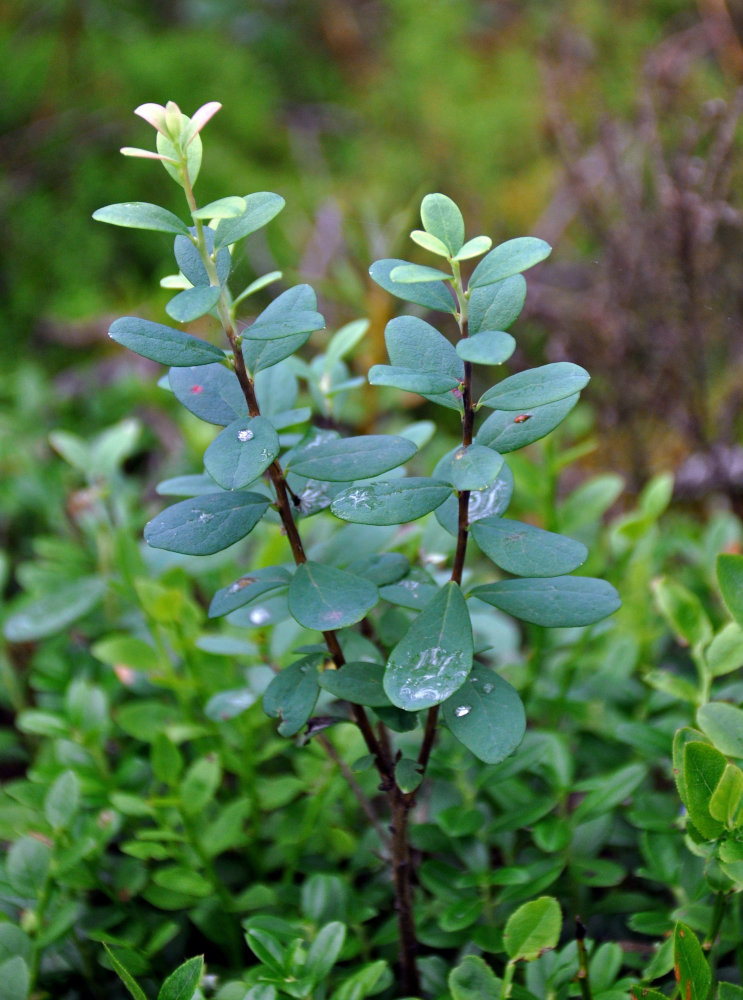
(730,580)
(51,613)
(511,257)
(532,929)
(293,313)
(346,459)
(508,430)
(360,683)
(432,295)
(248,588)
(703,767)
(470,468)
(189,260)
(241,452)
(141,215)
(487,716)
(536,387)
(407,274)
(434,657)
(526,550)
(692,970)
(496,306)
(292,694)
(411,379)
(491,502)
(325,598)
(181,984)
(260,208)
(723,724)
(192,303)
(210,392)
(474,247)
(397,502)
(206,524)
(163,343)
(556,602)
(441,218)
(491,347)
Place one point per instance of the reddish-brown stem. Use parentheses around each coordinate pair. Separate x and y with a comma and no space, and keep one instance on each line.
(402,865)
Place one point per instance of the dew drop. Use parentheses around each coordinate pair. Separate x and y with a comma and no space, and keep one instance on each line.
(258,616)
(461,710)
(245,435)
(487,688)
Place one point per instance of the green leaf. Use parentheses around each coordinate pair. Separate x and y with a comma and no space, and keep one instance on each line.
(199,784)
(324,598)
(473,979)
(165,759)
(729,991)
(363,983)
(62,800)
(292,694)
(505,431)
(690,966)
(324,951)
(412,380)
(487,716)
(124,975)
(186,486)
(610,792)
(230,207)
(211,392)
(415,344)
(181,984)
(490,502)
(260,355)
(344,459)
(163,343)
(179,879)
(730,581)
(248,588)
(408,774)
(192,303)
(683,611)
(490,347)
(357,682)
(428,242)
(189,260)
(39,617)
(15,978)
(194,153)
(536,387)
(410,274)
(27,865)
(293,313)
(725,653)
(241,452)
(727,798)
(14,942)
(509,258)
(533,929)
(496,306)
(206,524)
(141,215)
(723,724)
(474,247)
(428,294)
(703,766)
(229,704)
(434,657)
(381,569)
(396,502)
(441,218)
(470,468)
(525,550)
(260,208)
(557,602)
(409,593)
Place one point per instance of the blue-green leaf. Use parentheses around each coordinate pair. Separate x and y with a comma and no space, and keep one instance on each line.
(526,550)
(293,313)
(441,218)
(211,392)
(434,657)
(186,486)
(413,343)
(345,459)
(163,343)
(556,602)
(260,208)
(141,215)
(507,430)
(474,247)
(470,468)
(509,258)
(206,524)
(46,614)
(409,274)
(429,294)
(292,694)
(189,260)
(241,452)
(15,978)
(495,307)
(486,715)
(412,379)
(396,502)
(248,588)
(324,598)
(192,303)
(490,502)
(537,386)
(360,683)
(230,207)
(491,347)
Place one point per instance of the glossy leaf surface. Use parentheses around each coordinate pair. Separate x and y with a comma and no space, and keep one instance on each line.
(535,387)
(690,964)
(703,766)
(434,657)
(532,929)
(429,294)
(491,347)
(324,598)
(396,502)
(247,588)
(442,218)
(141,215)
(556,602)
(486,715)
(526,550)
(345,459)
(509,430)
(511,257)
(192,303)
(241,452)
(210,392)
(260,208)
(163,343)
(206,524)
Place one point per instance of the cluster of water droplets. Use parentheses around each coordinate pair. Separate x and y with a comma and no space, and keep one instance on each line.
(245,435)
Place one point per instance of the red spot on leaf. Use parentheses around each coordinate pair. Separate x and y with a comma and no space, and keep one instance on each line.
(522,418)
(196,389)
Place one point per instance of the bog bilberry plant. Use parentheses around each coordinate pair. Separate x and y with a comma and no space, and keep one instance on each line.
(420,668)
